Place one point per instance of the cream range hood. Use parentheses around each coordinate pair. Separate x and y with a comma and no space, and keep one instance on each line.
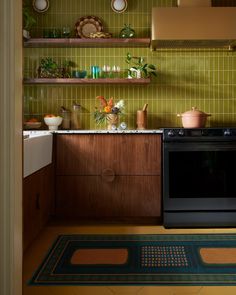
(193,27)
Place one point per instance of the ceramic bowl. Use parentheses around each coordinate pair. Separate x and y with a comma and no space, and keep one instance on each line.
(79,74)
(32,125)
(53,122)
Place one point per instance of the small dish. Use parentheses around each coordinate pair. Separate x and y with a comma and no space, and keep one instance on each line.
(119,6)
(41,5)
(87,25)
(79,74)
(32,125)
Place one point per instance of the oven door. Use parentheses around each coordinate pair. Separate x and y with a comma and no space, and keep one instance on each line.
(199,176)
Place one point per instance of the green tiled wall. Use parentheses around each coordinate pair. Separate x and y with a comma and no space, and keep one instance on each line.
(206,79)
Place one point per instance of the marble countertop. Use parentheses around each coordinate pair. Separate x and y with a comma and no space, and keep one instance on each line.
(132,131)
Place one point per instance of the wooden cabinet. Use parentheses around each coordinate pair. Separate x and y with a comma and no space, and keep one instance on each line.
(108,175)
(37,203)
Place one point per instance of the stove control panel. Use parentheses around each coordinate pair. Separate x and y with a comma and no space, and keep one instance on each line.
(199,134)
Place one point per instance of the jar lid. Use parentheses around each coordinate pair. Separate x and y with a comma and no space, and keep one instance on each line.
(195,113)
(64,110)
(76,106)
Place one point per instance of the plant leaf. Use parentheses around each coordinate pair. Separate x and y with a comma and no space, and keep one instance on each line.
(152,67)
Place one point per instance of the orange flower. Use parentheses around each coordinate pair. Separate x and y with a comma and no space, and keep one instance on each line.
(110,102)
(102,100)
(107,109)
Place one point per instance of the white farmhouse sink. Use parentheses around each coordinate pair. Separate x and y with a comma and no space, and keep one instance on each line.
(37,151)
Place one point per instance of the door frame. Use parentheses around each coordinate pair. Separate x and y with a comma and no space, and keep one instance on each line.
(11,147)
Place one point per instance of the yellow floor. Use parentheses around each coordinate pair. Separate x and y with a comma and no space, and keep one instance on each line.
(39,248)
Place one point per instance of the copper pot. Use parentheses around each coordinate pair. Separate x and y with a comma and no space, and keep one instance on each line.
(194,118)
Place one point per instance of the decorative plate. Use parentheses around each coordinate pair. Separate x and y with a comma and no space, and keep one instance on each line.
(119,6)
(87,25)
(40,5)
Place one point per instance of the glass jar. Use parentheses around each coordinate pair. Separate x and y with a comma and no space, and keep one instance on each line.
(66,115)
(76,117)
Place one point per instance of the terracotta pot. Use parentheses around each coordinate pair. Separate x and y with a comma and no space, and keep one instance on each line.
(194,118)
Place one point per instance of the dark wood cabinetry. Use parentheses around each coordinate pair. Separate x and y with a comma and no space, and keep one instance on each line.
(108,175)
(37,203)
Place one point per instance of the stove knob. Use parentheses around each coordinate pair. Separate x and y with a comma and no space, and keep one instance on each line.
(181,132)
(171,133)
(227,132)
(204,132)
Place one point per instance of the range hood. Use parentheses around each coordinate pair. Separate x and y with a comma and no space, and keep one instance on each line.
(193,27)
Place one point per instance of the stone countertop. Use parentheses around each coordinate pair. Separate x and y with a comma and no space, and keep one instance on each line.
(132,131)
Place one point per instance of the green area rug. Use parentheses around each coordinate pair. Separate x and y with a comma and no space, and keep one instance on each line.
(200,259)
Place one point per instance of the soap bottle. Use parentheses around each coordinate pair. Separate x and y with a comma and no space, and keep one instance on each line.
(66,115)
(76,116)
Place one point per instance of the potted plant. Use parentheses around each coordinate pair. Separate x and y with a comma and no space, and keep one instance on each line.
(138,68)
(28,21)
(50,69)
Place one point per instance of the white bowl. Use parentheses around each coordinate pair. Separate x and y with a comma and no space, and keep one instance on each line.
(53,122)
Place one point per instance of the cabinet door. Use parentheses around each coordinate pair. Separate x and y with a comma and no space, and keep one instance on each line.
(31,208)
(37,202)
(124,154)
(47,194)
(95,196)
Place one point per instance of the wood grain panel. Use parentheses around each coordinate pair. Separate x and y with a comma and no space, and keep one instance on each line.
(125,154)
(31,208)
(91,196)
(38,197)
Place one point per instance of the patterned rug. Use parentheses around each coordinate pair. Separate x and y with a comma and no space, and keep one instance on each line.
(200,259)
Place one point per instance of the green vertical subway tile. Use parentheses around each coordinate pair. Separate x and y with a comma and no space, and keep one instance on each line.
(185,78)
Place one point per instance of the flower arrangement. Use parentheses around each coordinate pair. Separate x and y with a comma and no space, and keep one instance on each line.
(107,108)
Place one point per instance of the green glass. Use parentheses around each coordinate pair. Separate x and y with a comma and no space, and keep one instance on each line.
(127,32)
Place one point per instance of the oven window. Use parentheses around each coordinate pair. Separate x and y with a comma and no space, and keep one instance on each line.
(202,174)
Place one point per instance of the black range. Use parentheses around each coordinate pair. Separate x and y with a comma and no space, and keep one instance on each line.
(199,177)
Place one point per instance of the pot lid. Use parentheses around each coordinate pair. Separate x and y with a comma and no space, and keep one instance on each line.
(195,113)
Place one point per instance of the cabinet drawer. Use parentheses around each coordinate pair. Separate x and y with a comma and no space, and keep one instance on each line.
(93,196)
(124,154)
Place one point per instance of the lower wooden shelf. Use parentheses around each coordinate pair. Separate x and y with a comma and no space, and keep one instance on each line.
(86,81)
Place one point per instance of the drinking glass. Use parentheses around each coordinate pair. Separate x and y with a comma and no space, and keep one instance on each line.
(65,32)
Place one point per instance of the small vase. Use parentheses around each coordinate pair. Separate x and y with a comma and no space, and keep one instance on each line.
(127,32)
(112,121)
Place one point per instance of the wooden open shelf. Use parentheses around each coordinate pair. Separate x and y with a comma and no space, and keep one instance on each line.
(86,42)
(86,81)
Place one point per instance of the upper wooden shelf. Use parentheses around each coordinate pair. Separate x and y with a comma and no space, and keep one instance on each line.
(86,42)
(86,81)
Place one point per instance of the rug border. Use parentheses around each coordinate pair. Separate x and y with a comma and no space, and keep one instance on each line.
(30,282)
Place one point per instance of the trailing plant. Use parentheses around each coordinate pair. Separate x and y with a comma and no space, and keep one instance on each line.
(138,65)
(28,18)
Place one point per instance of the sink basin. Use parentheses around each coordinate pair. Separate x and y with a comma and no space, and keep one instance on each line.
(37,152)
